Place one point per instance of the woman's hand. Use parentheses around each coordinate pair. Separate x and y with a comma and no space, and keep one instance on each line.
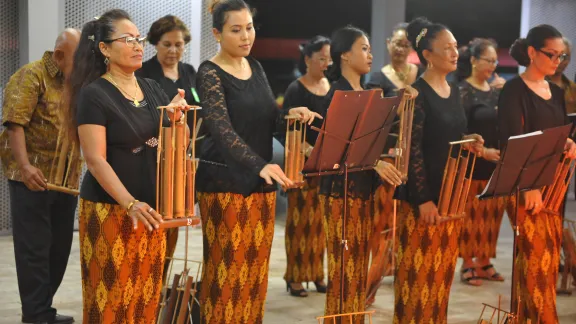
(533,201)
(304,114)
(141,211)
(411,92)
(274,172)
(475,147)
(498,82)
(388,172)
(429,213)
(570,149)
(177,105)
(490,154)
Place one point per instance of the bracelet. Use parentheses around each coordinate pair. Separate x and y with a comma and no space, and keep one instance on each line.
(131,204)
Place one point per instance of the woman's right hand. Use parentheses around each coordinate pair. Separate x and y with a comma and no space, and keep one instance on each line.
(533,201)
(141,211)
(273,172)
(490,154)
(429,213)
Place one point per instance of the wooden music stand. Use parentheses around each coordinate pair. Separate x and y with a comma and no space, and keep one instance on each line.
(352,138)
(528,162)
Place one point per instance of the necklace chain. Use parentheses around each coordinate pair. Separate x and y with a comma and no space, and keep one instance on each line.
(134,100)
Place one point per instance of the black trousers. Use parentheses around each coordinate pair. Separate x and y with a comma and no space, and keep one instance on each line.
(42,229)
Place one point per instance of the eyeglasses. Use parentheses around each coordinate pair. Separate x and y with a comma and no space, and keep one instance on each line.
(490,61)
(554,57)
(130,41)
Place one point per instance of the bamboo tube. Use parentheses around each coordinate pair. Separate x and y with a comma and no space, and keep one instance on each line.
(61,164)
(189,188)
(565,183)
(297,150)
(550,188)
(293,151)
(458,186)
(182,318)
(179,171)
(446,192)
(167,174)
(302,156)
(287,144)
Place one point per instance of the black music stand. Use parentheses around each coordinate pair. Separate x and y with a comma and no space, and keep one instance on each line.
(528,162)
(352,139)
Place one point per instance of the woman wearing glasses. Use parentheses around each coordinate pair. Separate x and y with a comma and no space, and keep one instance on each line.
(170,35)
(529,103)
(476,65)
(113,114)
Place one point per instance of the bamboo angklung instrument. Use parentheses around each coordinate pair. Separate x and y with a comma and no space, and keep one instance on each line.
(294,149)
(383,262)
(456,182)
(175,172)
(64,175)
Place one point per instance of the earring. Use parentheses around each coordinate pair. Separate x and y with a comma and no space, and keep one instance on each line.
(106,61)
(473,66)
(430,65)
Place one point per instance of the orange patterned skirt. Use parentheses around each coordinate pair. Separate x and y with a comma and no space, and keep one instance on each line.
(358,232)
(427,258)
(237,235)
(482,224)
(305,240)
(121,267)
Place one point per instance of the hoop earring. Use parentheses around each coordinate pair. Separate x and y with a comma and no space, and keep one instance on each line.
(106,61)
(430,65)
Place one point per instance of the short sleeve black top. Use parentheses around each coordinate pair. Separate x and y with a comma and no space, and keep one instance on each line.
(437,121)
(128,129)
(297,95)
(481,108)
(521,110)
(240,117)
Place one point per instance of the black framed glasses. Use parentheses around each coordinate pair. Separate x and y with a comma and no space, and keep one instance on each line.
(490,61)
(554,57)
(130,41)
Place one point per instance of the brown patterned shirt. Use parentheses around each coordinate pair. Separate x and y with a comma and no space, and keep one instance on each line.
(32,99)
(569,87)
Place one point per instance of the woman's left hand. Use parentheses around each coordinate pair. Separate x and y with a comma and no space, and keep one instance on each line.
(570,149)
(304,114)
(178,104)
(388,172)
(475,147)
(411,92)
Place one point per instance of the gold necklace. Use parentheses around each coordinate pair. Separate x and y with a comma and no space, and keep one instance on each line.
(134,100)
(402,75)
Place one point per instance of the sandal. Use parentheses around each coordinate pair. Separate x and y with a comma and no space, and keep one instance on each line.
(473,280)
(494,277)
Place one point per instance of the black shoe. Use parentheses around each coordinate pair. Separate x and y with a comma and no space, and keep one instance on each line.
(320,287)
(58,319)
(296,293)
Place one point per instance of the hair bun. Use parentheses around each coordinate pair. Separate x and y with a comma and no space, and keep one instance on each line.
(415,27)
(519,51)
(212,4)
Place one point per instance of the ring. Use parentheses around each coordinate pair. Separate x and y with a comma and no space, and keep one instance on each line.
(150,210)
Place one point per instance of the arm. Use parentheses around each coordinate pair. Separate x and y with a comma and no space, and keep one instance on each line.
(22,93)
(511,117)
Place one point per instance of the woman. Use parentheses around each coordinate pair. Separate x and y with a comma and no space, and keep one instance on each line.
(399,73)
(428,248)
(305,240)
(560,79)
(117,121)
(476,65)
(529,103)
(170,35)
(235,185)
(350,52)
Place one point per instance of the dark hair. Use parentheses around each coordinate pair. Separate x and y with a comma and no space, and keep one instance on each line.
(309,48)
(475,48)
(165,25)
(424,42)
(342,41)
(537,37)
(219,9)
(88,60)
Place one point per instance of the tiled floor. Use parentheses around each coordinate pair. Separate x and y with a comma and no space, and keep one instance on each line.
(465,301)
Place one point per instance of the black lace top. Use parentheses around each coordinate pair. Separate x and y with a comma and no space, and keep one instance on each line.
(481,108)
(297,95)
(437,121)
(361,184)
(521,110)
(240,117)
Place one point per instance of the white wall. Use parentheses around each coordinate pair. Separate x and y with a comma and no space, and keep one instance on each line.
(41,21)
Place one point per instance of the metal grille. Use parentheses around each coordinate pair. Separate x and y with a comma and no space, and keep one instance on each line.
(560,14)
(143,14)
(208,45)
(9,60)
